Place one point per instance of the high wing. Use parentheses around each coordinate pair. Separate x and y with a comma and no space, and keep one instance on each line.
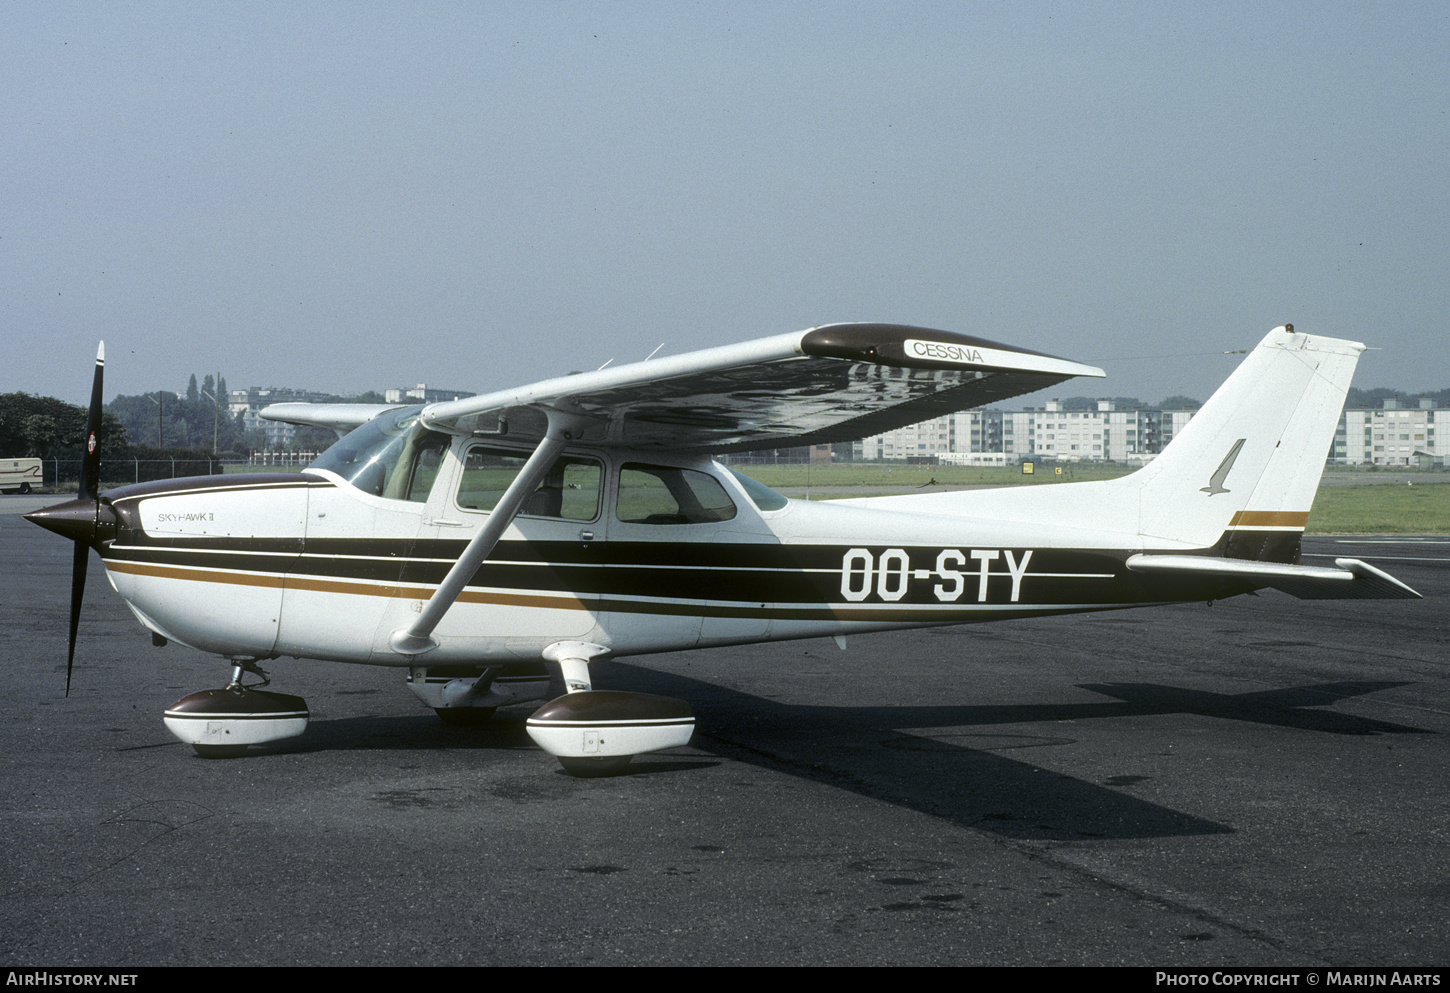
(837,382)
(341,417)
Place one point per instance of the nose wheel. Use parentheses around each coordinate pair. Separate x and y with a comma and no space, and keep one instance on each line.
(465,717)
(595,768)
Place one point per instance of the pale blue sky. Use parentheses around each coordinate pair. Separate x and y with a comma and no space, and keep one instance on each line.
(359,195)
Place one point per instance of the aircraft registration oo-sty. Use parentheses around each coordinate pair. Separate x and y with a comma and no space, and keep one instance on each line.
(495,547)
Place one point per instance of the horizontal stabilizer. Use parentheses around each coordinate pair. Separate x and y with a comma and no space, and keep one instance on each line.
(1351,579)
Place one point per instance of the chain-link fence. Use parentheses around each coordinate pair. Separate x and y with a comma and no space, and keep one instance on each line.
(65,474)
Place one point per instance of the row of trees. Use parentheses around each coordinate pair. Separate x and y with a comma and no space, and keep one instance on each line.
(159,426)
(1175,402)
(1370,399)
(198,419)
(47,428)
(1356,400)
(201,419)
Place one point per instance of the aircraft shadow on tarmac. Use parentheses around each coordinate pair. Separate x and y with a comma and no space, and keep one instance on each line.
(966,776)
(867,750)
(1281,708)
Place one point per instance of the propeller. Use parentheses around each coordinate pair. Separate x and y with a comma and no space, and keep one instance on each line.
(91,462)
(82,519)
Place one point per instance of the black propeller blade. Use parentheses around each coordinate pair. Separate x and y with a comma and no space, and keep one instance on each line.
(91,463)
(79,561)
(80,520)
(90,489)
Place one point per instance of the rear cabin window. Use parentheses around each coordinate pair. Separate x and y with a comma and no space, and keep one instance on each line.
(570,489)
(654,494)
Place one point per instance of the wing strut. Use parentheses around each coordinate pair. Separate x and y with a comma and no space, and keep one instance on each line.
(418,638)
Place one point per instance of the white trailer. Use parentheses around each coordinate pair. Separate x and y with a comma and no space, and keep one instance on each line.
(19,475)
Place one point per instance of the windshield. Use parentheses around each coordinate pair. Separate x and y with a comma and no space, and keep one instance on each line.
(390,456)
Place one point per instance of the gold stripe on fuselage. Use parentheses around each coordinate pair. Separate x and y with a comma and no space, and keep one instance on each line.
(195,575)
(913,613)
(1270,519)
(313,585)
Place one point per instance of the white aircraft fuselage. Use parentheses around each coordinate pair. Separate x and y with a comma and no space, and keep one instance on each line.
(476,542)
(307,565)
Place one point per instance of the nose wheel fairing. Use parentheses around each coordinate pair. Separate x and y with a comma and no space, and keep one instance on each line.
(222,723)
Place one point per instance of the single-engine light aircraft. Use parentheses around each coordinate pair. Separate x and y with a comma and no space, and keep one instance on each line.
(496,547)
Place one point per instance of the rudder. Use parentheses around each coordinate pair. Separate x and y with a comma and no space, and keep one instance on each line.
(1243,473)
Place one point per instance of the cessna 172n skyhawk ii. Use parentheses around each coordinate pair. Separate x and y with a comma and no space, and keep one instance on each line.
(500,544)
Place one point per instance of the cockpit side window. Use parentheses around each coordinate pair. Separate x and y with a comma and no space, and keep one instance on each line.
(655,494)
(392,456)
(764,497)
(570,489)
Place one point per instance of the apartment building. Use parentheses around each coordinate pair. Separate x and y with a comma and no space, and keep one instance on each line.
(249,404)
(423,393)
(1395,435)
(1049,432)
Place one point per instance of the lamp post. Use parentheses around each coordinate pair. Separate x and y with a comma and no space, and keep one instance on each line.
(215,417)
(160,424)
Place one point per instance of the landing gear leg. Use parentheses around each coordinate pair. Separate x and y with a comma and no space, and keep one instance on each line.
(596,732)
(222,723)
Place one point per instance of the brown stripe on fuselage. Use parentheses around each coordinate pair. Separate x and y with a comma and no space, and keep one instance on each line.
(334,586)
(824,612)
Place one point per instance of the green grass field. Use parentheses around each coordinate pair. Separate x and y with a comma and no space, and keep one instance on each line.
(1381,509)
(1371,508)
(876,474)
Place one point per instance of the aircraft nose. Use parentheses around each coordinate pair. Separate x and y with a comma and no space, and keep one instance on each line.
(79,520)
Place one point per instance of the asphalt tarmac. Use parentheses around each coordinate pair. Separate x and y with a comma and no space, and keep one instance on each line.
(1259,782)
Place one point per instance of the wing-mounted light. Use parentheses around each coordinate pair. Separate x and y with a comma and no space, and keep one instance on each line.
(927,348)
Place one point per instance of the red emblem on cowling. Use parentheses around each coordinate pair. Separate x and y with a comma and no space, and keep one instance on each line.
(91,445)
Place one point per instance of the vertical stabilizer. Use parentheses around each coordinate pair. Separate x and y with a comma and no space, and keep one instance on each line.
(1247,466)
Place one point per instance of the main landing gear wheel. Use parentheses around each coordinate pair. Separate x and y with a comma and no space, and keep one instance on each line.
(595,733)
(465,717)
(595,768)
(219,751)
